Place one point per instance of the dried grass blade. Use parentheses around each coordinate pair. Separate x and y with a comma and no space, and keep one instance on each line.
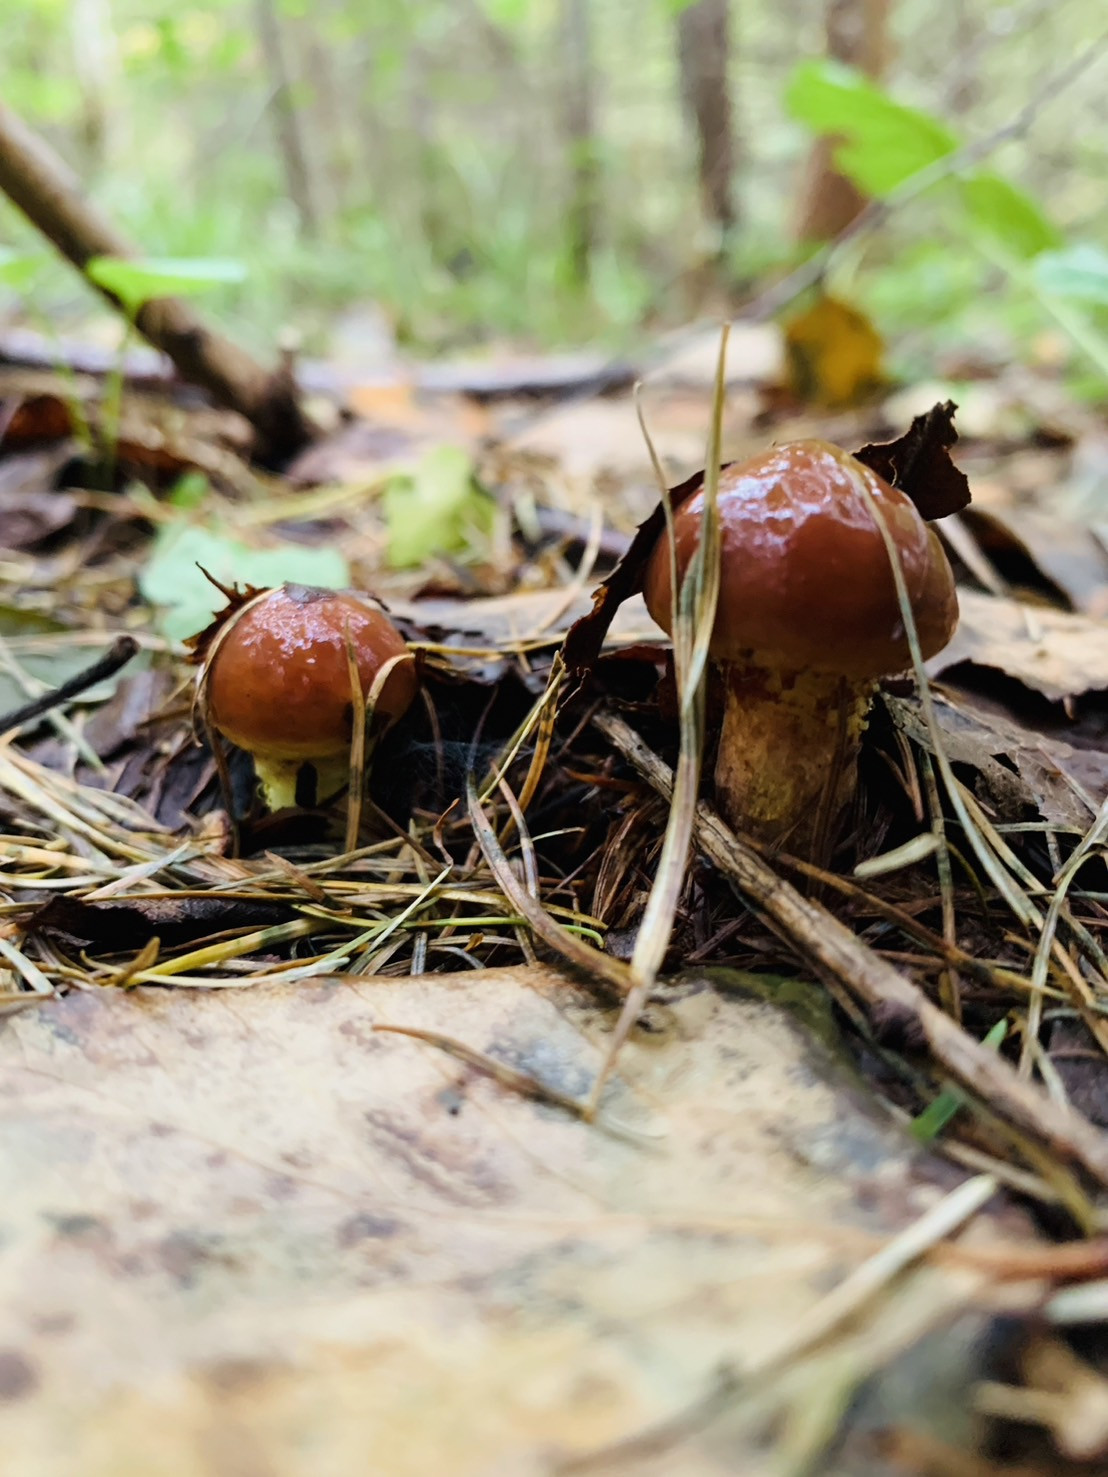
(380,932)
(526,846)
(26,968)
(612,971)
(509,1077)
(831,947)
(694,614)
(865,1281)
(14,778)
(539,717)
(949,985)
(262,938)
(122,881)
(355,796)
(63,726)
(1093,838)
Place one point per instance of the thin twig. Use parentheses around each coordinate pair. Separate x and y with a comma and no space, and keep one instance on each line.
(118,655)
(831,947)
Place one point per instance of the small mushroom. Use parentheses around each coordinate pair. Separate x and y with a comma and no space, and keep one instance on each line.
(807,621)
(276,682)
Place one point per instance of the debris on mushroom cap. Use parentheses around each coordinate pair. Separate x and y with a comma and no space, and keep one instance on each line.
(277,677)
(805,575)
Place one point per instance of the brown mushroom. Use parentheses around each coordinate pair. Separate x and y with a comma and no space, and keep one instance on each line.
(276,682)
(807,621)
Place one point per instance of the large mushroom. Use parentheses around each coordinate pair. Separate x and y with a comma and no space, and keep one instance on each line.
(807,621)
(276,681)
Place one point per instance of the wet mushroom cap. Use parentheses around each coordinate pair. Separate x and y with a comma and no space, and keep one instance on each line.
(278,681)
(805,578)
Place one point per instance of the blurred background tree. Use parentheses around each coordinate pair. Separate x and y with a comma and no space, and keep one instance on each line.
(544,171)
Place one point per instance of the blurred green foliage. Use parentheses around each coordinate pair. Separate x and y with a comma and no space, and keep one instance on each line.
(137,282)
(438,173)
(437,508)
(892,151)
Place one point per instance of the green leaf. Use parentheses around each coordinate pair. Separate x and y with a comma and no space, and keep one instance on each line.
(18,269)
(509,13)
(1079,271)
(884,142)
(138,282)
(927,1126)
(189,491)
(436,510)
(1008,213)
(186,600)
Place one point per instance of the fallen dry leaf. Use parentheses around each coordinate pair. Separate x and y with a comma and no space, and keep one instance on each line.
(833,354)
(1054,652)
(1019,769)
(246,1232)
(1065,560)
(130,924)
(523,620)
(32,508)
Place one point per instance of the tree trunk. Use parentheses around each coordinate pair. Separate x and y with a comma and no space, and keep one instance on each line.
(287,120)
(857,33)
(703,51)
(331,122)
(96,64)
(578,111)
(963,81)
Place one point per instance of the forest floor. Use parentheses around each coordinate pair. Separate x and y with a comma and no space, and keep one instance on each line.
(319,1156)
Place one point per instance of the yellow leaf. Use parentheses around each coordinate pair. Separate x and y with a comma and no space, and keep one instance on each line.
(833,355)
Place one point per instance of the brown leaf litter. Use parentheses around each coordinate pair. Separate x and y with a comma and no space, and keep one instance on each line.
(242,1224)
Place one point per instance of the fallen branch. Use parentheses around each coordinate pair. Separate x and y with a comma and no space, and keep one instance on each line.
(833,949)
(49,194)
(547,377)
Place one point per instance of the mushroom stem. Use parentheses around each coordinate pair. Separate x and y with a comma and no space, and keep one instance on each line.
(788,752)
(278,776)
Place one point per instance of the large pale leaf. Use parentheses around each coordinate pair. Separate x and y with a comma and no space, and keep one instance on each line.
(242,1231)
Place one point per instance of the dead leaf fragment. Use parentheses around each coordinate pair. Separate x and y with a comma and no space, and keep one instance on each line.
(1029,548)
(918,463)
(30,518)
(1019,770)
(33,418)
(31,506)
(1055,652)
(587,635)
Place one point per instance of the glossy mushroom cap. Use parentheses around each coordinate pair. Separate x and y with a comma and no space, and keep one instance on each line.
(278,678)
(805,577)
